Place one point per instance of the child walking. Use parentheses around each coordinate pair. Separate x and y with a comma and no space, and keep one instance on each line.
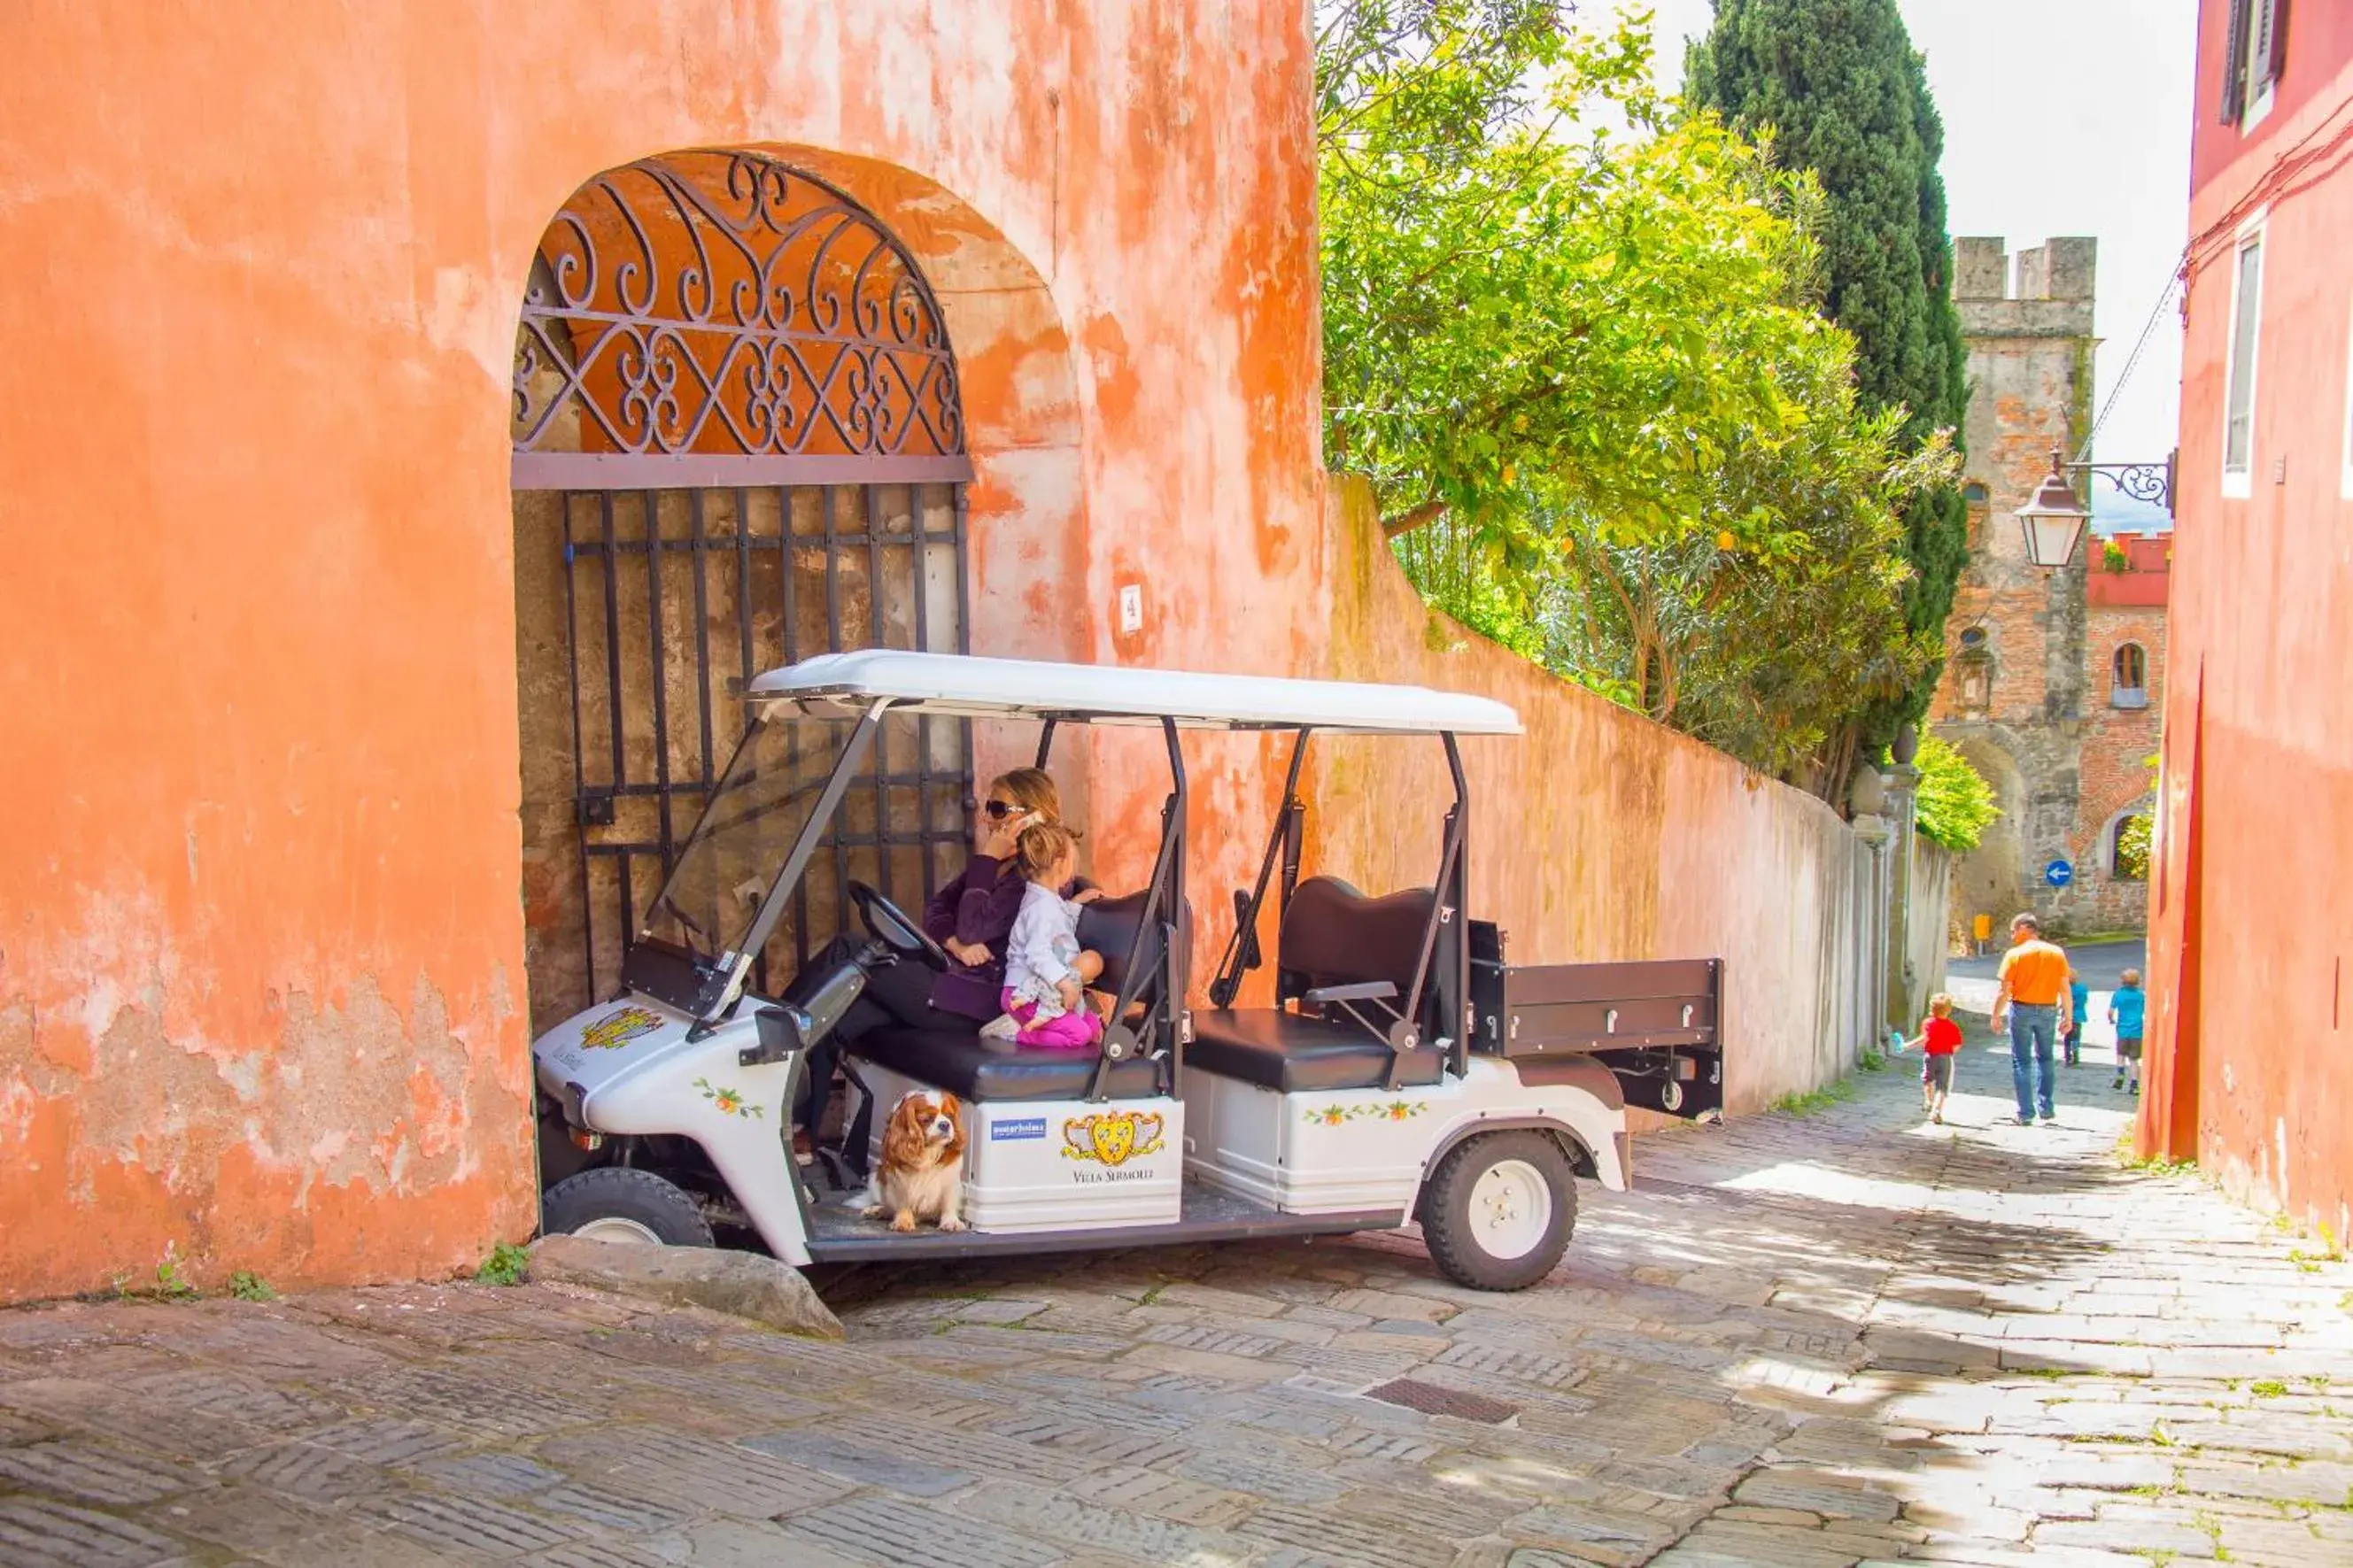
(2128,1011)
(2079,1008)
(1939,1040)
(1046,971)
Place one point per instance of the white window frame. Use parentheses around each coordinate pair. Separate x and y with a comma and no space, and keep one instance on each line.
(2238,484)
(2258,107)
(2131,698)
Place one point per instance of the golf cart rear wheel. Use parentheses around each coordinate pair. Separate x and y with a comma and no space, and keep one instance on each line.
(615,1203)
(1498,1212)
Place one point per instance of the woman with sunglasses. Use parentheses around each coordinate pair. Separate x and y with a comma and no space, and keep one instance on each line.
(971,917)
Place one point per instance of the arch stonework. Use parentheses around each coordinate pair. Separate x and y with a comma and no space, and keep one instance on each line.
(2109,830)
(1018,384)
(1993,879)
(757,346)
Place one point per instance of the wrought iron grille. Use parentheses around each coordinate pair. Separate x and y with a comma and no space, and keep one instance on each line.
(725,307)
(673,600)
(744,388)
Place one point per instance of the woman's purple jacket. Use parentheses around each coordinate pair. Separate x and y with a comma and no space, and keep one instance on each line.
(978,906)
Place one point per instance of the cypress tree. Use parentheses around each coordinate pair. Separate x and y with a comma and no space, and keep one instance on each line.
(1843,93)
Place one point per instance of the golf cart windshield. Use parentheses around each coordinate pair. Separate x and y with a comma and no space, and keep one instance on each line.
(761,803)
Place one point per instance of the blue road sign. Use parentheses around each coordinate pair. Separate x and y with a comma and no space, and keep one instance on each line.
(2058,873)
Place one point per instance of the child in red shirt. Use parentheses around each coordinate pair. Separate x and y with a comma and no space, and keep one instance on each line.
(1940,1040)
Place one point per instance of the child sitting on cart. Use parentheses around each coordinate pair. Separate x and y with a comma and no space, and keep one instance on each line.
(1046,971)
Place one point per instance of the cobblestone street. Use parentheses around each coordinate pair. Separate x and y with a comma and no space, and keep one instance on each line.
(1806,1341)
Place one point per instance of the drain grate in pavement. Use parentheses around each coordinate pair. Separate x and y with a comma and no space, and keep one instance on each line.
(1431,1400)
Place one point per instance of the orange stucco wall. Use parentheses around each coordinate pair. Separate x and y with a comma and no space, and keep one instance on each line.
(2250,1069)
(260,934)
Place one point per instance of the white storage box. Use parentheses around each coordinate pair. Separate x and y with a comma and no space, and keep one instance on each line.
(1051,1164)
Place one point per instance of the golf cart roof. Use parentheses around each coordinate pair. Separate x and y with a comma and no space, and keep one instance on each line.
(846,685)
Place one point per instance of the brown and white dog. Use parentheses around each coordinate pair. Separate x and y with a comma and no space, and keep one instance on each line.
(921,1175)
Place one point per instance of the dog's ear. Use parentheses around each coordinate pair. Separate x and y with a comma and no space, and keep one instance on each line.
(902,1140)
(955,1109)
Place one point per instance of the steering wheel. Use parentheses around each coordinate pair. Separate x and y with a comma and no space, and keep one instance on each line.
(888,924)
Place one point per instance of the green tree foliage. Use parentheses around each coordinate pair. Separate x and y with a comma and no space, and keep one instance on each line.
(1955,803)
(1840,90)
(2136,840)
(1525,313)
(1587,373)
(1763,637)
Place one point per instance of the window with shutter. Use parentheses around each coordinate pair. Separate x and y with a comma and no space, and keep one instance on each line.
(2235,65)
(2239,399)
(2257,54)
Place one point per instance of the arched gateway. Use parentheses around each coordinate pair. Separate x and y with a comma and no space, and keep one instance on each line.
(738,442)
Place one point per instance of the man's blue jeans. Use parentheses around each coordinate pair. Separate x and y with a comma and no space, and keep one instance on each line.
(2031,1031)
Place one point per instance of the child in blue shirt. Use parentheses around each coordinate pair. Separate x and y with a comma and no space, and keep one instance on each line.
(2128,1011)
(2079,1007)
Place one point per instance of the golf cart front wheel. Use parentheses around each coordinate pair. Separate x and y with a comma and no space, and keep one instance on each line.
(1498,1212)
(617,1203)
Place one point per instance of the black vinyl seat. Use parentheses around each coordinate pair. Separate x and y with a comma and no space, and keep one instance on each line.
(961,1064)
(1292,1051)
(956,1060)
(1332,935)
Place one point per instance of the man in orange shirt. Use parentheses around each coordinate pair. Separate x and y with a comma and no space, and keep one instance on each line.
(2034,984)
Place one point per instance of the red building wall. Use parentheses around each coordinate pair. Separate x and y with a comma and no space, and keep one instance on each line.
(2252,906)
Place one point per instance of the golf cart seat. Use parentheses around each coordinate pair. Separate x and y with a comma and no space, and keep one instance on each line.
(958,1061)
(1332,935)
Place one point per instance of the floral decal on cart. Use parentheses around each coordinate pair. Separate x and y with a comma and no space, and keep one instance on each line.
(1112,1138)
(730,1101)
(1386,1111)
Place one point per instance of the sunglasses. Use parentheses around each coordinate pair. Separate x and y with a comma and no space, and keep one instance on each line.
(998,810)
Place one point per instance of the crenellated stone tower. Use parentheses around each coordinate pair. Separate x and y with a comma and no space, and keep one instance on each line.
(2053,680)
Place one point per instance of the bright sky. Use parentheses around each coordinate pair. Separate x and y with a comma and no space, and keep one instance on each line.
(2062,117)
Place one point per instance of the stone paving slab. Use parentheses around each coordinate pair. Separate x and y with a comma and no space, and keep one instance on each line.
(1840,1339)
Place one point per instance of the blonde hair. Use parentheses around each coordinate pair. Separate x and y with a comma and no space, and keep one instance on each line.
(2130,977)
(1031,789)
(1044,845)
(1941,1004)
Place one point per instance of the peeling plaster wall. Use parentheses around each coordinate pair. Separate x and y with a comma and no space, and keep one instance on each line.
(262,954)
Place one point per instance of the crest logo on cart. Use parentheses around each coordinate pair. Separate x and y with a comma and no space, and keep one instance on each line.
(615,1030)
(1112,1138)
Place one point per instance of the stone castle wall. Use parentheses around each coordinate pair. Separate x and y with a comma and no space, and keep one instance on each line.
(2027,692)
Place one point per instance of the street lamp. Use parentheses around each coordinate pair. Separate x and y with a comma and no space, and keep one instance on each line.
(2054,519)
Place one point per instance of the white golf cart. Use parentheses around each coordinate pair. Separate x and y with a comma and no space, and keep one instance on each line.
(1404,1071)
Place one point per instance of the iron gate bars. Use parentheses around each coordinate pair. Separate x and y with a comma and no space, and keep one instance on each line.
(719,318)
(673,601)
(744,387)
